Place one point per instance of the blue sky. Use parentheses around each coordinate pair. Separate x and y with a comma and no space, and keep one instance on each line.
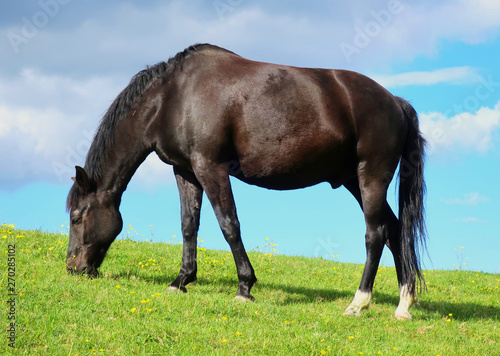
(63,62)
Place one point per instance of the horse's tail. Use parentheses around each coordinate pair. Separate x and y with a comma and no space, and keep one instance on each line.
(411,198)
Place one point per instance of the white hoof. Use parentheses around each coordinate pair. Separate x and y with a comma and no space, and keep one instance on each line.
(240,298)
(352,310)
(360,302)
(406,300)
(402,315)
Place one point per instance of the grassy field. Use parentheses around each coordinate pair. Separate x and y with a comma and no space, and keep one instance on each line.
(298,310)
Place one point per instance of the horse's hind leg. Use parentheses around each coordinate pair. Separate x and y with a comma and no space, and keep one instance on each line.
(371,195)
(407,296)
(391,226)
(191,193)
(215,181)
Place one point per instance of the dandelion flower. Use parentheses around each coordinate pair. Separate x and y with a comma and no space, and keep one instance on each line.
(133,310)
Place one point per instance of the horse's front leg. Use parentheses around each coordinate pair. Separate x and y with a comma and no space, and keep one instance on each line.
(215,181)
(191,193)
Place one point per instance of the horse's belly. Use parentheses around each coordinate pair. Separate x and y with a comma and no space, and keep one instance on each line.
(293,170)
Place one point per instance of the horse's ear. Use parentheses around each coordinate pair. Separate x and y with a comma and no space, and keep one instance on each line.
(82,179)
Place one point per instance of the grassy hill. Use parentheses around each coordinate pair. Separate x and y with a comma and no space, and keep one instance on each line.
(298,310)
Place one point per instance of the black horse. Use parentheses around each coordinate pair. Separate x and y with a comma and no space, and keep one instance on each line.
(211,113)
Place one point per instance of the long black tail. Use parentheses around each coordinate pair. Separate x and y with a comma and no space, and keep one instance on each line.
(411,197)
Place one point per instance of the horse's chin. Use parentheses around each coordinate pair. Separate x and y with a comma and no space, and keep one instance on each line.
(92,272)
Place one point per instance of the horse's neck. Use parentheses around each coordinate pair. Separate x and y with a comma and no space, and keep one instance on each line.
(122,160)
(129,148)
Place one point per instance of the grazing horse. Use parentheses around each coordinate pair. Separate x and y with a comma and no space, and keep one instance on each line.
(211,113)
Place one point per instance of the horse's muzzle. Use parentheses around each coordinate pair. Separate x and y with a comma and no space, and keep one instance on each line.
(74,268)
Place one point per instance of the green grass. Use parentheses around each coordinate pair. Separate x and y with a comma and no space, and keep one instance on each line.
(298,310)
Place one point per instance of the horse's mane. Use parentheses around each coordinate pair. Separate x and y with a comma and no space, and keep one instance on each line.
(121,106)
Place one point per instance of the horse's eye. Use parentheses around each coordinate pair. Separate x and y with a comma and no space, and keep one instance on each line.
(76,220)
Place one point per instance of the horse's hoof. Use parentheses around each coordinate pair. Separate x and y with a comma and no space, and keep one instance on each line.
(402,315)
(352,311)
(244,299)
(173,289)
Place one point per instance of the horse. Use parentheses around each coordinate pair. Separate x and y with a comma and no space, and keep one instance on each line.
(212,114)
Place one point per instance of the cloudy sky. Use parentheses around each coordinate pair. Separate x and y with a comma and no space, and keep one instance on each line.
(63,62)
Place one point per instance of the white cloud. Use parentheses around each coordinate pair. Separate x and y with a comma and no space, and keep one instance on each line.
(47,123)
(291,33)
(33,139)
(473,198)
(472,21)
(462,132)
(152,174)
(453,75)
(107,41)
(384,33)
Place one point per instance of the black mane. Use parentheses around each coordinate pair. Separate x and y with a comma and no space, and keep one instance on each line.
(121,106)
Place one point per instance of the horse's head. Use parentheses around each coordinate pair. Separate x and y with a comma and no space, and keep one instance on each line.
(94,224)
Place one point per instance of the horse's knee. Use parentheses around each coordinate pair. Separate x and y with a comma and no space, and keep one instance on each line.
(231,231)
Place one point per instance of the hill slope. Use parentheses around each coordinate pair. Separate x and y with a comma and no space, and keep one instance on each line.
(298,310)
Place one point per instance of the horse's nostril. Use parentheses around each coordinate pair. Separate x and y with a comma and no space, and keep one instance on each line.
(75,269)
